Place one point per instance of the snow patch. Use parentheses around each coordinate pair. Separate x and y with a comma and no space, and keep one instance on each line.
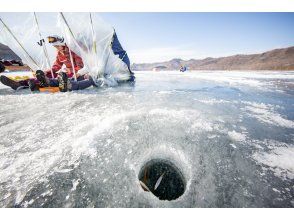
(233,146)
(75,183)
(280,160)
(235,136)
(265,113)
(213,101)
(202,125)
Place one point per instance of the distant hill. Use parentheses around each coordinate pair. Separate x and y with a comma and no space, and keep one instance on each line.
(278,59)
(7,54)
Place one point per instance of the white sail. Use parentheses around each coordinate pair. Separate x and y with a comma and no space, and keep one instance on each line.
(21,35)
(90,37)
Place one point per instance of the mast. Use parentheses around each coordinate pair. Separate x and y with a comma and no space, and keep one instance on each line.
(70,54)
(43,46)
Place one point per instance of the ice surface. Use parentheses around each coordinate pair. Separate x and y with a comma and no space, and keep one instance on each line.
(236,136)
(266,114)
(280,160)
(230,133)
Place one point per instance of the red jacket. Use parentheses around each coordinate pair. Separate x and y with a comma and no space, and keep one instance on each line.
(63,57)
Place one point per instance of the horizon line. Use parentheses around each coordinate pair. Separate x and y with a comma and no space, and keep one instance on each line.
(217,57)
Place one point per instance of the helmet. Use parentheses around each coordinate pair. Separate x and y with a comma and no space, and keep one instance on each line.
(56,40)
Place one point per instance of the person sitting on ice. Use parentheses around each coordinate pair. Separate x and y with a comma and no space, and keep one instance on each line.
(65,80)
(117,68)
(33,83)
(21,84)
(62,76)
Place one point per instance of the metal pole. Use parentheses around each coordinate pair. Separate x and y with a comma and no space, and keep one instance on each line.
(95,46)
(44,47)
(93,35)
(94,42)
(72,64)
(70,54)
(18,42)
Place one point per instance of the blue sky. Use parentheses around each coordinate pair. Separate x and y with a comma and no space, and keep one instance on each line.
(163,36)
(150,37)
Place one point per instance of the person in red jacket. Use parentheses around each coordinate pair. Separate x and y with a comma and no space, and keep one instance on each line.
(67,64)
(63,57)
(63,64)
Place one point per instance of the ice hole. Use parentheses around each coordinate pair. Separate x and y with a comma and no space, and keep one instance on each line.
(163,179)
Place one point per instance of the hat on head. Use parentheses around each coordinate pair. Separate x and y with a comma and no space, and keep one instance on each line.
(56,40)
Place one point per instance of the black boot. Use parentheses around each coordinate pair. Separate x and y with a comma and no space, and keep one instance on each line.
(42,78)
(9,82)
(2,68)
(64,82)
(33,85)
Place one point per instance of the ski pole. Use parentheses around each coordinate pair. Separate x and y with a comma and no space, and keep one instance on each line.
(44,47)
(93,35)
(72,64)
(95,46)
(94,43)
(70,54)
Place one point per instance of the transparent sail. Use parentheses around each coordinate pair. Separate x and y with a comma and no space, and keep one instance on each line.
(90,37)
(27,38)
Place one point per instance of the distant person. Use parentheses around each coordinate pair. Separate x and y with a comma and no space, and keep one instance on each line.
(183,68)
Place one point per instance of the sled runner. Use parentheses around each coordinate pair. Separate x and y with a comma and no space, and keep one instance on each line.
(49,89)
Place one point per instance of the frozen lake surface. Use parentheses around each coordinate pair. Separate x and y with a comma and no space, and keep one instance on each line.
(230,133)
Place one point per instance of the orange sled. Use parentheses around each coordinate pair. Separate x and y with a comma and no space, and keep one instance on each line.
(49,89)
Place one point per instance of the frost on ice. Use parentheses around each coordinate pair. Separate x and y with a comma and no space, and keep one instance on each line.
(231,134)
